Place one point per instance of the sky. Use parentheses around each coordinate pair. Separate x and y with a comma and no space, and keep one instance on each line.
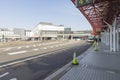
(28,13)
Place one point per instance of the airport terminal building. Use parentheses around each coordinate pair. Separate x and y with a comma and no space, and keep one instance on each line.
(46,31)
(42,31)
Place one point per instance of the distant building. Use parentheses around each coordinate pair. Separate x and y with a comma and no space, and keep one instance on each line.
(28,33)
(6,35)
(67,29)
(4,29)
(84,34)
(48,31)
(19,31)
(42,31)
(15,34)
(67,33)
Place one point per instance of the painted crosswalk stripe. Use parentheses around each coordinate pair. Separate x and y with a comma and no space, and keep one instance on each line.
(19,52)
(13,79)
(4,74)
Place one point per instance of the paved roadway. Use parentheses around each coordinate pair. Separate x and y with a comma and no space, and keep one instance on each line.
(36,61)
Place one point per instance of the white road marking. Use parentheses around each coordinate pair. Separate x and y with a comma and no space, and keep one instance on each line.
(44,47)
(61,45)
(7,49)
(34,45)
(48,46)
(112,72)
(12,63)
(4,74)
(13,79)
(56,45)
(47,43)
(19,47)
(19,52)
(36,49)
(51,46)
(27,46)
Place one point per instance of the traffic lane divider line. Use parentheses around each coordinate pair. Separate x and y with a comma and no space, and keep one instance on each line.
(19,47)
(19,52)
(12,63)
(13,79)
(5,74)
(36,49)
(7,49)
(32,57)
(25,59)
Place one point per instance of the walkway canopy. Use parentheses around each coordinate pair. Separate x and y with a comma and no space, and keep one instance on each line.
(99,12)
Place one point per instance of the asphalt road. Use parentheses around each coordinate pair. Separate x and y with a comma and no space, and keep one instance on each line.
(35,62)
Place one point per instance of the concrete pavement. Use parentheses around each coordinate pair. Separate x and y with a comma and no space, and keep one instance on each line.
(93,65)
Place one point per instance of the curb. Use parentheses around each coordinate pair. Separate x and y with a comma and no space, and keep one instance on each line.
(56,75)
(60,72)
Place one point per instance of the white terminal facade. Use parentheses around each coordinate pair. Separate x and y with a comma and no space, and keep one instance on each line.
(45,31)
(42,31)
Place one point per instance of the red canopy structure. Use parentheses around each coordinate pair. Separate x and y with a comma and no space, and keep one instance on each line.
(98,12)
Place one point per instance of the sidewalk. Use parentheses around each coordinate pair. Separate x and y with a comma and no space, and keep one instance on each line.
(93,65)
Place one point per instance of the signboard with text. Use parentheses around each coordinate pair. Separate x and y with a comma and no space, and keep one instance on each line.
(87,2)
(83,2)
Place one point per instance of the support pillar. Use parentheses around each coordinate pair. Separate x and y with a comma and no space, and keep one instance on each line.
(101,36)
(107,37)
(114,36)
(114,39)
(117,35)
(111,39)
(104,38)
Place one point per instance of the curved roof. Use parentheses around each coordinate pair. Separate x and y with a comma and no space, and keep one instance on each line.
(98,11)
